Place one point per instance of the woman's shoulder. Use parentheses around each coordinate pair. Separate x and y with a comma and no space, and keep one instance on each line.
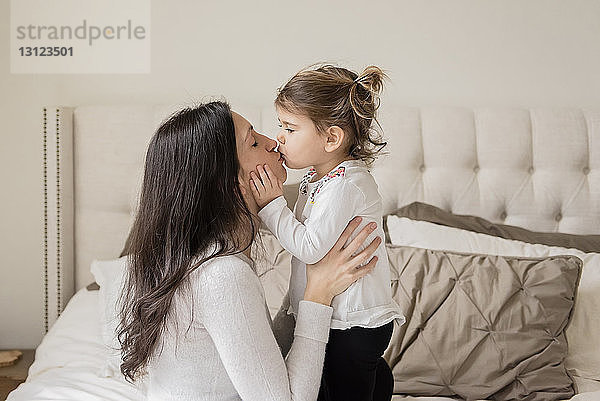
(218,287)
(226,271)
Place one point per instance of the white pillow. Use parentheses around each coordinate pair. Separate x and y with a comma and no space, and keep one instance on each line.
(109,275)
(583,359)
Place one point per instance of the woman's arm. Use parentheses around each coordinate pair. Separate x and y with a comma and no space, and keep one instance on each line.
(232,309)
(233,312)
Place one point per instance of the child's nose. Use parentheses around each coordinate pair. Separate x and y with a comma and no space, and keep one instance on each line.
(281,138)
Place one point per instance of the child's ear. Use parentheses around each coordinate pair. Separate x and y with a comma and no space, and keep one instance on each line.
(334,138)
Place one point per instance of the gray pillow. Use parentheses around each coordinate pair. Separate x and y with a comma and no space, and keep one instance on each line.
(482,326)
(425,212)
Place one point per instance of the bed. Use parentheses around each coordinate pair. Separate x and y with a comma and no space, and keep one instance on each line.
(537,169)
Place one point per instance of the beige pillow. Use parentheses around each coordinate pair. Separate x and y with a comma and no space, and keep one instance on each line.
(273,267)
(482,326)
(583,359)
(93,286)
(425,212)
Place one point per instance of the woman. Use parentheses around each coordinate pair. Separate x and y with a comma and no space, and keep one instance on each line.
(193,312)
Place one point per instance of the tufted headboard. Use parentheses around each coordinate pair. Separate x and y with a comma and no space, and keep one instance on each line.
(538,169)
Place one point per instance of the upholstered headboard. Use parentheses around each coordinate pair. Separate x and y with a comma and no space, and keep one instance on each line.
(538,168)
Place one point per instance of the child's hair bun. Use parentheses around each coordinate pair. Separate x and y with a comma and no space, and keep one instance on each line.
(365,92)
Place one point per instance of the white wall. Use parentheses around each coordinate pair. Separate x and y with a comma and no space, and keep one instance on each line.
(524,53)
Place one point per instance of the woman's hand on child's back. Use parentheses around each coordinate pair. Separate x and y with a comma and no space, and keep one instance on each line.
(333,274)
(266,186)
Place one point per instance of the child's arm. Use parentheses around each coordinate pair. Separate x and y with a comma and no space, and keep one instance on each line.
(335,205)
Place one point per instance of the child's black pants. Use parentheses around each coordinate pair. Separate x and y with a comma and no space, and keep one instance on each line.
(354,369)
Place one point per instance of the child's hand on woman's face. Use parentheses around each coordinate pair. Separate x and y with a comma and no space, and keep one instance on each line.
(266,186)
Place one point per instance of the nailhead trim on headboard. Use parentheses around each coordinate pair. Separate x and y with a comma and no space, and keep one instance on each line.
(45,168)
(58,245)
(53,216)
(58,206)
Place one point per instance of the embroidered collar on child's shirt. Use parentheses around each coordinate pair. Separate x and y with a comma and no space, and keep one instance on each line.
(338,172)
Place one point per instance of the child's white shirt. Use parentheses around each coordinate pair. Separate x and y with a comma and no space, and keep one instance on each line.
(323,210)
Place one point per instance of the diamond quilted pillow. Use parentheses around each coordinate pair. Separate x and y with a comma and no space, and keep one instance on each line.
(482,326)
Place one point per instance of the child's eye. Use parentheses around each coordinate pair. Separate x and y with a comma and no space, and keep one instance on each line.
(255,144)
(289,130)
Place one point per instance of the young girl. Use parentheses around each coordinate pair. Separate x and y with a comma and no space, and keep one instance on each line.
(326,115)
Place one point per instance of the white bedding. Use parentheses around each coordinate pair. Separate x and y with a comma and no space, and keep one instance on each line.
(70,359)
(70,362)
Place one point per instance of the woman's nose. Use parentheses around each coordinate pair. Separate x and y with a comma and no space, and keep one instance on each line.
(271,144)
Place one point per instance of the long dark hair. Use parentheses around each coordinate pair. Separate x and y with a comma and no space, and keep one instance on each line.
(190,201)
